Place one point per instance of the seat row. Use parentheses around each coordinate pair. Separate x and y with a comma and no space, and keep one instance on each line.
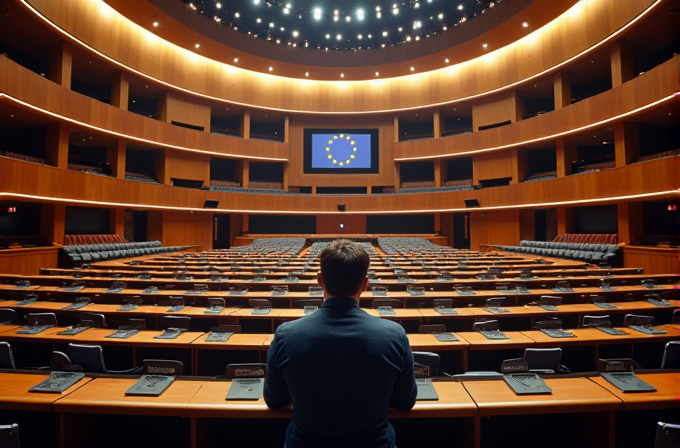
(99,252)
(593,253)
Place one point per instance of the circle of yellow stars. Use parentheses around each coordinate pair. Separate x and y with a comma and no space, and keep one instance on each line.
(330,154)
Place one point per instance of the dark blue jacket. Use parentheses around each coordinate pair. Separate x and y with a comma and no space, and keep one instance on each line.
(341,368)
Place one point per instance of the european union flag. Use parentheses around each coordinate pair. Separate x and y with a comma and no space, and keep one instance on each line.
(341,150)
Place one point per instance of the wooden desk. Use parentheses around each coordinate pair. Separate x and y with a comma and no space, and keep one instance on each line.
(667,395)
(14,394)
(478,341)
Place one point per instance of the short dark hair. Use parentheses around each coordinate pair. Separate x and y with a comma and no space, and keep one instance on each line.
(344,265)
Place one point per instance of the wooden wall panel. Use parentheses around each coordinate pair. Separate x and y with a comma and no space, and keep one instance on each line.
(102,28)
(184,109)
(187,228)
(497,109)
(352,224)
(527,225)
(52,222)
(235,227)
(501,227)
(28,261)
(653,260)
(494,165)
(187,166)
(296,175)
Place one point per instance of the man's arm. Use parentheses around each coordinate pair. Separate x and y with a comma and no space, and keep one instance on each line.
(276,393)
(405,388)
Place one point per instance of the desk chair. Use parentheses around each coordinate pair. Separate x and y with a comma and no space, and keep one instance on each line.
(674,320)
(667,435)
(543,323)
(488,325)
(91,359)
(9,436)
(166,322)
(35,319)
(432,328)
(596,321)
(6,358)
(9,316)
(426,359)
(671,356)
(544,360)
(638,319)
(92,319)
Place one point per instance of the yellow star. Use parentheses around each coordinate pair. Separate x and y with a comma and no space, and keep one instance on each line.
(341,163)
(327,148)
(330,156)
(352,156)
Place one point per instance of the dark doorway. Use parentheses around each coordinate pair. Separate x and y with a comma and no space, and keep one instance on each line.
(221,231)
(135,225)
(461,230)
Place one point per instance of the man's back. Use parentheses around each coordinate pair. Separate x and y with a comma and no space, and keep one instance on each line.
(342,369)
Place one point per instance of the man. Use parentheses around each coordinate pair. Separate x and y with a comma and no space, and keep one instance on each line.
(340,367)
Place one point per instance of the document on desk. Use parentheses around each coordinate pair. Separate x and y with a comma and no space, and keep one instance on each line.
(445,337)
(150,385)
(246,389)
(57,382)
(426,391)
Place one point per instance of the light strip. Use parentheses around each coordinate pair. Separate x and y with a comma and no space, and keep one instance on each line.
(549,137)
(130,137)
(627,198)
(403,109)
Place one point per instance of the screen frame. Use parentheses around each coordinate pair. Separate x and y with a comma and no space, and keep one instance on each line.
(375,150)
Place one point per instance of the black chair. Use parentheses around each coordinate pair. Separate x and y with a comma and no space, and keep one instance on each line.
(9,316)
(9,436)
(638,319)
(35,319)
(6,357)
(551,323)
(485,325)
(667,435)
(182,322)
(92,320)
(671,355)
(596,321)
(426,359)
(544,360)
(676,317)
(432,328)
(301,303)
(91,359)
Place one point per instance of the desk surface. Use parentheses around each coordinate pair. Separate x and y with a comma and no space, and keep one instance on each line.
(237,341)
(14,392)
(479,342)
(667,395)
(568,395)
(593,336)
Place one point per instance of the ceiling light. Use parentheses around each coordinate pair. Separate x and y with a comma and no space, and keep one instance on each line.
(237,15)
(379,15)
(235,59)
(446,60)
(395,9)
(306,73)
(256,1)
(271,24)
(441,16)
(328,36)
(525,24)
(317,13)
(342,75)
(484,45)
(295,34)
(339,36)
(155,24)
(412,68)
(348,18)
(460,7)
(259,20)
(417,5)
(408,38)
(218,5)
(385,33)
(283,29)
(335,18)
(286,10)
(360,36)
(198,45)
(377,74)
(271,68)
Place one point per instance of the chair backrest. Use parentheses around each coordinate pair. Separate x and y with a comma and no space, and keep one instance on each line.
(254,303)
(41,319)
(60,361)
(394,303)
(596,321)
(166,322)
(92,319)
(227,329)
(89,357)
(426,359)
(671,355)
(301,303)
(667,435)
(9,436)
(432,328)
(637,319)
(676,317)
(543,358)
(442,303)
(8,316)
(485,325)
(550,323)
(6,357)
(494,302)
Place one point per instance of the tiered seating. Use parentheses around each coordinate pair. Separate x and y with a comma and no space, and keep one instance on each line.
(266,246)
(417,184)
(460,184)
(24,157)
(590,252)
(109,251)
(587,238)
(659,155)
(90,169)
(224,183)
(265,185)
(410,245)
(316,248)
(74,240)
(541,176)
(140,177)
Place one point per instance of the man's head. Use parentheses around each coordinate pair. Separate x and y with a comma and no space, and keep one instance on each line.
(344,265)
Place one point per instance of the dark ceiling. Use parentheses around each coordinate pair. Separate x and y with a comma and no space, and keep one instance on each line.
(340,24)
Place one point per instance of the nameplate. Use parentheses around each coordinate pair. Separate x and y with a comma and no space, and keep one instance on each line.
(548,307)
(605,305)
(627,382)
(611,331)
(527,384)
(495,309)
(150,385)
(128,307)
(647,330)
(214,309)
(446,310)
(76,306)
(660,302)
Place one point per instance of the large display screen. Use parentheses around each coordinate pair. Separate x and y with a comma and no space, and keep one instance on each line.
(350,151)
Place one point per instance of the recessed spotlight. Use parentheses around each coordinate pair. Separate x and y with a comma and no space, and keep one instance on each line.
(412,68)
(155,24)
(256,1)
(295,34)
(525,24)
(218,5)
(235,59)
(441,16)
(237,15)
(306,73)
(338,37)
(384,33)
(395,9)
(377,74)
(271,68)
(259,20)
(328,36)
(197,45)
(360,36)
(460,7)
(317,13)
(348,18)
(286,10)
(271,24)
(446,60)
(484,45)
(342,75)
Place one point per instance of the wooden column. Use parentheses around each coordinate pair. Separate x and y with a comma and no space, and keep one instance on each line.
(162,173)
(437,173)
(519,168)
(396,129)
(115,155)
(286,129)
(61,62)
(244,221)
(154,226)
(52,219)
(565,220)
(56,151)
(117,221)
(623,68)
(565,154)
(437,222)
(436,119)
(245,125)
(631,224)
(626,142)
(562,88)
(245,173)
(527,225)
(120,91)
(397,176)
(285,176)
